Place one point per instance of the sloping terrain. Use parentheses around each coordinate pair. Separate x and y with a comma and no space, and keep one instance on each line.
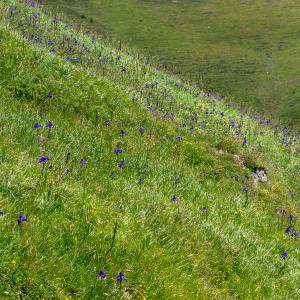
(246,50)
(108,164)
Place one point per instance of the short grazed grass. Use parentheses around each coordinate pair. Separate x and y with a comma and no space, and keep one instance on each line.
(170,210)
(247,50)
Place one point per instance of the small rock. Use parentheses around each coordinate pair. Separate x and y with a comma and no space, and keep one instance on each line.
(259,175)
(239,160)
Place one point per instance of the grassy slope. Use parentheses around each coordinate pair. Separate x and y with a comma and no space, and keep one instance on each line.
(247,50)
(166,250)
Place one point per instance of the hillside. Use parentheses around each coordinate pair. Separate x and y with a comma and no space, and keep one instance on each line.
(245,50)
(109,165)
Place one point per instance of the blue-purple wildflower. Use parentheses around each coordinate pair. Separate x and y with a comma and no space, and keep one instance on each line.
(49,124)
(21,219)
(295,233)
(284,255)
(83,161)
(174,198)
(245,189)
(101,275)
(118,150)
(43,159)
(122,164)
(103,60)
(120,277)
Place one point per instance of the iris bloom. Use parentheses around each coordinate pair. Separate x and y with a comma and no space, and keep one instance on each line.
(43,159)
(174,198)
(82,161)
(120,277)
(118,150)
(284,255)
(101,274)
(122,164)
(21,219)
(49,124)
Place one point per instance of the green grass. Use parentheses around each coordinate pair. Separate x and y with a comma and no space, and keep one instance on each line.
(82,220)
(245,50)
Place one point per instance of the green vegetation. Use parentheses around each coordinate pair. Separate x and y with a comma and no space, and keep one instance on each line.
(146,175)
(247,50)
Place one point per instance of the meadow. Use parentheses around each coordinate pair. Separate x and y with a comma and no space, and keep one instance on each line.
(121,181)
(245,50)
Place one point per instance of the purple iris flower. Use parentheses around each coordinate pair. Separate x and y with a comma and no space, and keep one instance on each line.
(122,133)
(50,95)
(37,125)
(83,161)
(244,141)
(174,198)
(284,255)
(122,164)
(103,59)
(291,218)
(1,212)
(107,123)
(68,59)
(43,159)
(288,229)
(101,274)
(245,189)
(54,51)
(295,233)
(120,277)
(141,130)
(49,124)
(21,219)
(118,150)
